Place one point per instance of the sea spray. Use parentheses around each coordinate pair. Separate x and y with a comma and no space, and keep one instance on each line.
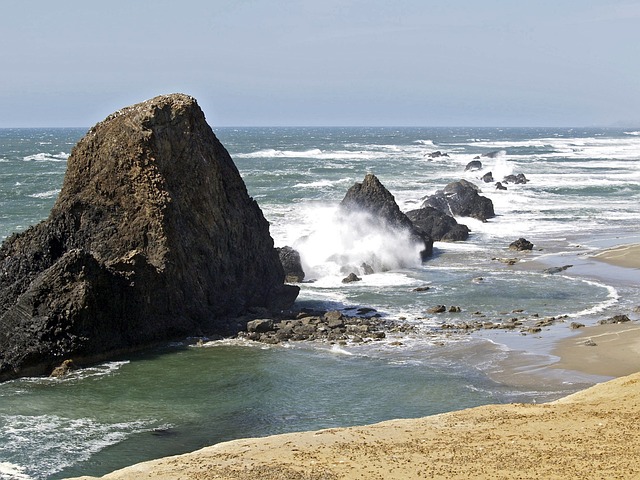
(343,242)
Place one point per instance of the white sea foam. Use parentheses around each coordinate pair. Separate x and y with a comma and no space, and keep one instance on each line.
(47,157)
(58,442)
(340,243)
(47,194)
(9,471)
(636,133)
(335,348)
(101,370)
(425,142)
(612,298)
(322,183)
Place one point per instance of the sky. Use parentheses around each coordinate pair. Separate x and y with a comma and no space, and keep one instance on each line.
(71,63)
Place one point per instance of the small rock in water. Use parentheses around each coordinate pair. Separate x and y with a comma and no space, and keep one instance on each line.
(576,325)
(352,277)
(63,369)
(553,270)
(487,177)
(437,309)
(589,343)
(421,289)
(521,244)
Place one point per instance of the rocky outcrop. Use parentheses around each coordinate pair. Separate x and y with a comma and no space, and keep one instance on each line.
(461,199)
(153,236)
(373,198)
(292,264)
(440,226)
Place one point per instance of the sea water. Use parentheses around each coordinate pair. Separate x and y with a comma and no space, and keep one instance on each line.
(583,194)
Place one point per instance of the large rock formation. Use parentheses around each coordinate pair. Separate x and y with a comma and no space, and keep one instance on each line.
(440,226)
(373,198)
(153,236)
(461,199)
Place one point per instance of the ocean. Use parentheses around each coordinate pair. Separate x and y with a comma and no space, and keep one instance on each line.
(583,195)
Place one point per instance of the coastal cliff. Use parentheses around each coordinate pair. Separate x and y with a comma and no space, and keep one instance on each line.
(153,236)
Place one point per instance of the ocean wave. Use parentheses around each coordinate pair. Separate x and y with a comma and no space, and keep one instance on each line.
(101,370)
(612,298)
(579,148)
(47,157)
(322,183)
(46,444)
(425,142)
(637,133)
(10,471)
(47,194)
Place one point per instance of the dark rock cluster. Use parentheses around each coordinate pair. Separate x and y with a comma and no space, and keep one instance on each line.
(463,199)
(332,326)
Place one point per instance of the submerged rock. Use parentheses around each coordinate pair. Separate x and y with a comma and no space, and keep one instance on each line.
(461,199)
(553,270)
(153,236)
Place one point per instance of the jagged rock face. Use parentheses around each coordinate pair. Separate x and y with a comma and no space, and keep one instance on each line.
(440,226)
(153,236)
(461,199)
(372,197)
(292,264)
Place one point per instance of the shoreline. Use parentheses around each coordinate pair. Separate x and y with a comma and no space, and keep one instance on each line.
(567,438)
(570,438)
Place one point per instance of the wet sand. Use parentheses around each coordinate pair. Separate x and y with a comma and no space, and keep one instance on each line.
(609,350)
(621,256)
(590,434)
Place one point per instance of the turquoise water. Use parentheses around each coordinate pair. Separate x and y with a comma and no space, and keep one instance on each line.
(584,191)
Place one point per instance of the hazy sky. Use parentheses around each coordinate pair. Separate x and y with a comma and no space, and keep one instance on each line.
(325,62)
